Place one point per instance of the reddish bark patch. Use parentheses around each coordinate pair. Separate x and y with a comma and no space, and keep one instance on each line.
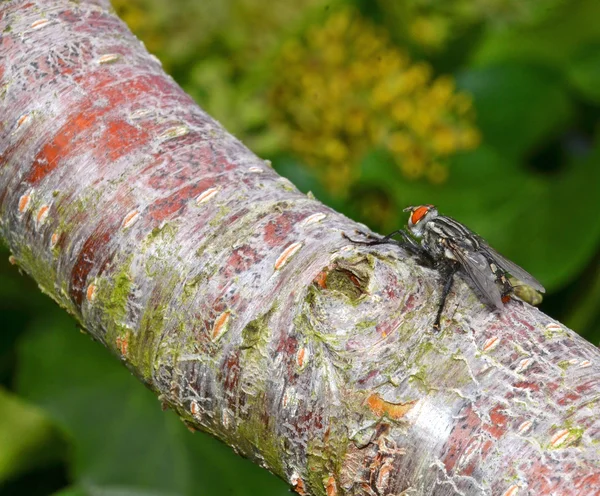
(499,424)
(568,398)
(588,386)
(385,328)
(120,138)
(69,16)
(525,324)
(287,347)
(240,260)
(369,376)
(460,438)
(231,371)
(527,385)
(277,230)
(122,343)
(381,407)
(113,139)
(87,258)
(542,479)
(409,304)
(287,344)
(308,421)
(168,207)
(331,487)
(321,279)
(588,479)
(298,486)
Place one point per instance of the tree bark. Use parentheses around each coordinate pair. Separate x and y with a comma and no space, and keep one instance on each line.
(235,298)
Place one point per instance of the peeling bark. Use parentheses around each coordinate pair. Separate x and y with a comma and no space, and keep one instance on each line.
(235,298)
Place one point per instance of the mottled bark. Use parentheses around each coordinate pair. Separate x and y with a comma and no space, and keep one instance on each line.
(236,299)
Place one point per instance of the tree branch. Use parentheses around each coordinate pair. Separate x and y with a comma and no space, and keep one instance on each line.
(236,299)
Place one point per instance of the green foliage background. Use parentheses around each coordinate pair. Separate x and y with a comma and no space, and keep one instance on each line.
(487,108)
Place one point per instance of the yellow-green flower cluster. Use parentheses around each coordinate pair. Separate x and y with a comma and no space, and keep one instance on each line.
(344,89)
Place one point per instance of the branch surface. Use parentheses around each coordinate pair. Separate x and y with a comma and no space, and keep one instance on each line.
(235,298)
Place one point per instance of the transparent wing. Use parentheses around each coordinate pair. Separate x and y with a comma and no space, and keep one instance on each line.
(514,270)
(478,269)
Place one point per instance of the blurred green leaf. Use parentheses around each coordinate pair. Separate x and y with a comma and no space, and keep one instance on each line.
(110,491)
(518,105)
(28,439)
(584,72)
(554,42)
(71,491)
(584,305)
(121,437)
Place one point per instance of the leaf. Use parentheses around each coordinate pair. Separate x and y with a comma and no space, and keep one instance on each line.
(121,438)
(554,42)
(28,438)
(109,491)
(71,491)
(584,72)
(518,106)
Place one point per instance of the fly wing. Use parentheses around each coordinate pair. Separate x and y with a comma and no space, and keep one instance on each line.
(478,269)
(514,270)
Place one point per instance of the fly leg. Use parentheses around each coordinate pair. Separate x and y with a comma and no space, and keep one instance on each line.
(448,273)
(507,289)
(407,243)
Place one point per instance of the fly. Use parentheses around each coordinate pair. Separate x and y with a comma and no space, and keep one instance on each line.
(451,247)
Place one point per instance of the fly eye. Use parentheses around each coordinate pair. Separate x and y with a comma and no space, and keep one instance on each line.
(418,214)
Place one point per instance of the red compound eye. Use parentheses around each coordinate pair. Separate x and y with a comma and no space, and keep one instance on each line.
(419,213)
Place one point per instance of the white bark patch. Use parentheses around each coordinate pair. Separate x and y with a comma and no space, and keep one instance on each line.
(288,253)
(220,326)
(195,408)
(524,365)
(54,239)
(42,214)
(290,398)
(39,24)
(302,356)
(511,491)
(21,122)
(552,327)
(90,293)
(109,58)
(313,219)
(227,417)
(130,219)
(491,343)
(206,195)
(174,132)
(25,202)
(559,438)
(525,427)
(140,114)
